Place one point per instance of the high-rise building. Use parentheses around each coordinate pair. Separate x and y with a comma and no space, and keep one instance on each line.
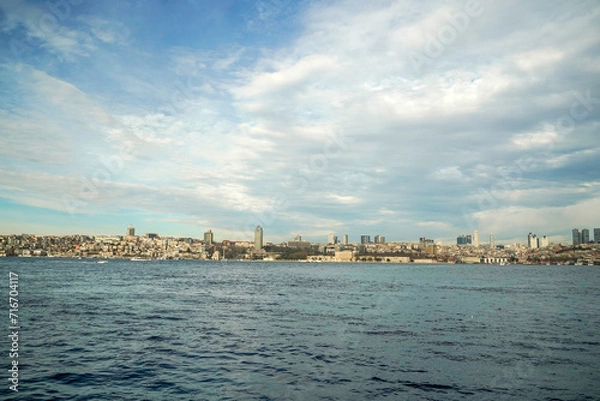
(532,241)
(258,238)
(476,238)
(597,235)
(576,236)
(130,231)
(332,239)
(492,241)
(365,239)
(544,241)
(585,236)
(424,243)
(379,239)
(208,237)
(461,240)
(345,239)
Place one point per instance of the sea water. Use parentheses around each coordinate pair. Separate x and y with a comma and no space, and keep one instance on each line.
(199,330)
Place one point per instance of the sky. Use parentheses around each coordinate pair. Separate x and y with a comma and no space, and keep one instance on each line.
(401,118)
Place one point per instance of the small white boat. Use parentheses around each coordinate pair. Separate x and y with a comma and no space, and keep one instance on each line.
(103,261)
(138,259)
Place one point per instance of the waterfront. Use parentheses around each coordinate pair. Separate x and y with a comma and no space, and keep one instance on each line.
(279,331)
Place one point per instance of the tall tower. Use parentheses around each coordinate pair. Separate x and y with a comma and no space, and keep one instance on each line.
(532,241)
(258,238)
(492,241)
(585,236)
(597,235)
(208,237)
(332,239)
(576,236)
(476,238)
(130,231)
(346,239)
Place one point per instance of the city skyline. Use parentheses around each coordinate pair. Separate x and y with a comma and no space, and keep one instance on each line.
(399,119)
(531,241)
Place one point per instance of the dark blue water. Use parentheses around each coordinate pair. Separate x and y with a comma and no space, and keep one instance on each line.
(178,330)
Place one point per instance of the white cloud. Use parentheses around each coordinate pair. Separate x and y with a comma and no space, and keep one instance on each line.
(535,139)
(111,32)
(452,173)
(345,199)
(287,75)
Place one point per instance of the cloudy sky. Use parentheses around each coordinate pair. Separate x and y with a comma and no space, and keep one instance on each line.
(401,118)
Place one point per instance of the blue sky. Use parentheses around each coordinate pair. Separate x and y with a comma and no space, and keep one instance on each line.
(385,117)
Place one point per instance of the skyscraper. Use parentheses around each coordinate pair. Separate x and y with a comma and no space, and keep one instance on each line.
(492,241)
(258,238)
(332,239)
(476,238)
(365,239)
(379,239)
(597,235)
(130,231)
(585,236)
(544,242)
(532,241)
(576,236)
(208,237)
(345,239)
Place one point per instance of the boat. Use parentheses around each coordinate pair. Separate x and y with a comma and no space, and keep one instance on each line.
(138,259)
(103,261)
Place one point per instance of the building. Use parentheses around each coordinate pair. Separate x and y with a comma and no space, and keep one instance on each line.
(258,238)
(464,240)
(344,256)
(576,236)
(332,239)
(476,238)
(492,241)
(345,241)
(208,237)
(365,239)
(299,244)
(585,236)
(425,243)
(597,235)
(544,242)
(532,241)
(379,239)
(130,231)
